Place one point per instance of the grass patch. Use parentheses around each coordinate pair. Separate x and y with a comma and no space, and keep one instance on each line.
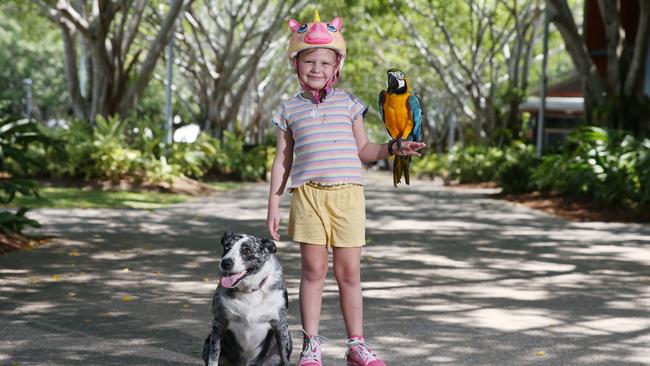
(225,186)
(72,197)
(66,197)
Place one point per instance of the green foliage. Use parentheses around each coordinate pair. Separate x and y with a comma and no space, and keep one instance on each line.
(197,158)
(16,223)
(72,156)
(432,164)
(15,136)
(113,158)
(244,162)
(473,164)
(642,169)
(70,197)
(607,165)
(515,173)
(132,149)
(31,49)
(114,149)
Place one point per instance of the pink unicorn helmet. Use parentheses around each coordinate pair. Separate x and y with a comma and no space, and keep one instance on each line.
(317,34)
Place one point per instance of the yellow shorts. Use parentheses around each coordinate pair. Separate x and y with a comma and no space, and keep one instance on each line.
(328,215)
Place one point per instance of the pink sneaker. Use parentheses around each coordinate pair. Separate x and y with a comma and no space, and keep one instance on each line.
(311,355)
(360,354)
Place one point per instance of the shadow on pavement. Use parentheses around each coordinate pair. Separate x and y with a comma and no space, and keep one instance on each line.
(450,278)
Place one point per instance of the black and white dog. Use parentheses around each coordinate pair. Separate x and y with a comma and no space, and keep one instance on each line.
(249,306)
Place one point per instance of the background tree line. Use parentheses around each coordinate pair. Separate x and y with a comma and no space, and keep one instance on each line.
(474,60)
(98,69)
(471,60)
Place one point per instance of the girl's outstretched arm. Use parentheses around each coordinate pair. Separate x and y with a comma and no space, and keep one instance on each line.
(369,151)
(279,175)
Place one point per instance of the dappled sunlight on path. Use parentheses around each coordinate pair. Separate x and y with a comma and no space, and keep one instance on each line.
(450,278)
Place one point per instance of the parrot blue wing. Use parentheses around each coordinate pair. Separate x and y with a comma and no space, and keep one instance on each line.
(382,98)
(416,112)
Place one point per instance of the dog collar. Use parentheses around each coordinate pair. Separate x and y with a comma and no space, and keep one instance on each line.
(259,286)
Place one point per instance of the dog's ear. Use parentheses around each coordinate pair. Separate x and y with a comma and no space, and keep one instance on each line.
(226,236)
(269,245)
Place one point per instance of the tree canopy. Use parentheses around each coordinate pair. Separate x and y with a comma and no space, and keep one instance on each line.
(471,61)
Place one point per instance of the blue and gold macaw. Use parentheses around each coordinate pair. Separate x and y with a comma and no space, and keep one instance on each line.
(402,114)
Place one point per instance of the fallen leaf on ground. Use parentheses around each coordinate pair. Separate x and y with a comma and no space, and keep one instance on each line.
(127,298)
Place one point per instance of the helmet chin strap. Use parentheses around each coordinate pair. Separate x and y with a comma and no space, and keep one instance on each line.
(319,94)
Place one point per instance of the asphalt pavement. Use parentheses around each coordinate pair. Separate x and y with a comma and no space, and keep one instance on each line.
(450,277)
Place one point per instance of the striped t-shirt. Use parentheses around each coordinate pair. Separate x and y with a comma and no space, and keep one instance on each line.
(324,148)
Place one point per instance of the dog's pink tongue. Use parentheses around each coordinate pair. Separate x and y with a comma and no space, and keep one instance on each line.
(229,281)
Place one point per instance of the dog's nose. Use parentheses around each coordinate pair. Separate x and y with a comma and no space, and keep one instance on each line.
(226,264)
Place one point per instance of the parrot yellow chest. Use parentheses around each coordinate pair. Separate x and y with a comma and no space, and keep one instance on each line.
(397,116)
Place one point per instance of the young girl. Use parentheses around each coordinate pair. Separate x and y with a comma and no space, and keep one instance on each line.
(323,128)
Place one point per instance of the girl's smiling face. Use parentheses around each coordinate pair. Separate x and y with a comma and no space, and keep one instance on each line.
(316,66)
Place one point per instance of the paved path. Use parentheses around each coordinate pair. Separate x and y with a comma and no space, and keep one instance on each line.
(450,278)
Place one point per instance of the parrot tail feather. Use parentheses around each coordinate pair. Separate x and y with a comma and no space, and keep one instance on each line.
(397,171)
(405,168)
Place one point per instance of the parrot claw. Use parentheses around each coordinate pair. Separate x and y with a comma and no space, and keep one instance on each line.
(399,144)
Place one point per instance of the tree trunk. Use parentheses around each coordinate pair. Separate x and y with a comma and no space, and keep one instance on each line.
(72,74)
(610,11)
(106,49)
(560,14)
(125,102)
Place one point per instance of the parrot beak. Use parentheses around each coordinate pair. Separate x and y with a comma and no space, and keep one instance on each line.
(393,83)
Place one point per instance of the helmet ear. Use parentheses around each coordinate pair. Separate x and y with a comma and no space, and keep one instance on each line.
(294,25)
(338,23)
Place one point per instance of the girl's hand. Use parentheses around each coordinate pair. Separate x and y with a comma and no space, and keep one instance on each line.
(407,148)
(273,223)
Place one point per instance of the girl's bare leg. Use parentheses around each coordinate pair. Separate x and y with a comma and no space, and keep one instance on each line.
(347,270)
(314,270)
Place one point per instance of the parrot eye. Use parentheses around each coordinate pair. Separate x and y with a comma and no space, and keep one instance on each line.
(331,28)
(302,29)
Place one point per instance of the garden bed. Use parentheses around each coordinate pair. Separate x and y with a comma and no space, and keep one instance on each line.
(13,242)
(573,209)
(576,209)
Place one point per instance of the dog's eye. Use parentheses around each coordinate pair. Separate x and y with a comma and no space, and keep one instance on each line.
(247,251)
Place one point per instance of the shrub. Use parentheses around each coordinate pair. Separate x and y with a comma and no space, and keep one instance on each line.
(514,175)
(473,164)
(607,165)
(432,164)
(197,158)
(247,162)
(132,149)
(642,170)
(72,156)
(15,137)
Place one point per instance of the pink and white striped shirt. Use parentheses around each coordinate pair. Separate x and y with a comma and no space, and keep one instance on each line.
(324,148)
